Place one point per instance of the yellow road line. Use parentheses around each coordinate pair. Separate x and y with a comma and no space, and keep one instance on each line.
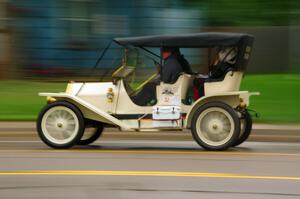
(147,173)
(176,152)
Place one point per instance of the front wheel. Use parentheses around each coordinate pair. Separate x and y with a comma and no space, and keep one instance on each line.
(60,125)
(215,126)
(91,134)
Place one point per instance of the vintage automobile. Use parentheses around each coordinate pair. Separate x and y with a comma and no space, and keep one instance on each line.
(218,119)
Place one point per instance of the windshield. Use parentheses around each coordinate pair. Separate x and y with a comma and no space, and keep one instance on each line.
(144,64)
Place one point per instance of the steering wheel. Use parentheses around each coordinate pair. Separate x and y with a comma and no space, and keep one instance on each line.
(144,83)
(158,66)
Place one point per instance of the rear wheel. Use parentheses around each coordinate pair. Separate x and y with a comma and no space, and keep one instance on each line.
(246,128)
(91,134)
(215,126)
(60,125)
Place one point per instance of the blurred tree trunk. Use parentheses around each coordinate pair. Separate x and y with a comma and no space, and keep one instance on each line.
(5,54)
(5,43)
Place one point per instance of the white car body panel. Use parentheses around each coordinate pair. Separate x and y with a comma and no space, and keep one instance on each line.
(93,100)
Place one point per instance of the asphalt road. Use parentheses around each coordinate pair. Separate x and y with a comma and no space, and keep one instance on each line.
(114,168)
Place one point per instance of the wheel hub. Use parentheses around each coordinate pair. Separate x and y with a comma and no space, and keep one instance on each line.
(215,126)
(59,125)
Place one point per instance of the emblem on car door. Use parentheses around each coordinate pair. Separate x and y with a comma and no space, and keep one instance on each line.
(167,92)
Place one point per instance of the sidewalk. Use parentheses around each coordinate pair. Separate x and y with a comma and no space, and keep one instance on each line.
(29,126)
(260,132)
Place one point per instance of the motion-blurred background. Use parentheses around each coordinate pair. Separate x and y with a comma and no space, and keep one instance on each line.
(45,43)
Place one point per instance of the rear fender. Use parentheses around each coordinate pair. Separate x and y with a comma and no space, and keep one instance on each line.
(233,99)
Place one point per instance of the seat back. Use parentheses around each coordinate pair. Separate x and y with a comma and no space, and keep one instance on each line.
(231,82)
(174,92)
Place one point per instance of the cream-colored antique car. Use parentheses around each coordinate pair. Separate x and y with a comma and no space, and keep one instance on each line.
(218,119)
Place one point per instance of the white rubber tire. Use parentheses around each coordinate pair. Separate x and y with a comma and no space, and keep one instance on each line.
(215,126)
(60,125)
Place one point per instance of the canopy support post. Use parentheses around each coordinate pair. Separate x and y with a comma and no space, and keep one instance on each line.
(101,56)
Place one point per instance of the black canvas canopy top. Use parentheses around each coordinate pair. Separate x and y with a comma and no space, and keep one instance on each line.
(197,40)
(193,40)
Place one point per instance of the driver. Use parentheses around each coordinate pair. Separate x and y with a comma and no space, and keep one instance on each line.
(168,73)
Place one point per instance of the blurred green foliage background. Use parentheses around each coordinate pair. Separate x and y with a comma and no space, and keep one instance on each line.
(276,104)
(49,41)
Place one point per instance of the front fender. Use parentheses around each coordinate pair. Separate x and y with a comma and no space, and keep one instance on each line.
(88,110)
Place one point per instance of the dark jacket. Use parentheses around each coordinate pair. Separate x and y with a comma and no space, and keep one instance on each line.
(171,70)
(219,70)
(186,67)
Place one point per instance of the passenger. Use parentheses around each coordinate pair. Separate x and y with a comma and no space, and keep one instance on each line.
(168,73)
(225,60)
